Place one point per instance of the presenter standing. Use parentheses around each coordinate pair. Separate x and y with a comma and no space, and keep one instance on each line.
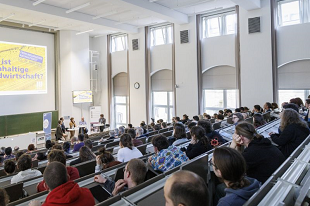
(102,120)
(72,126)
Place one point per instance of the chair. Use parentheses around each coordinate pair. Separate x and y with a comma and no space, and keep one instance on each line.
(41,169)
(112,144)
(2,173)
(167,134)
(119,174)
(142,149)
(35,163)
(15,191)
(163,130)
(86,168)
(143,140)
(149,175)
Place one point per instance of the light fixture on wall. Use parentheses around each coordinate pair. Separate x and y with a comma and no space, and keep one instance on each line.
(34,24)
(83,32)
(38,2)
(78,7)
(5,18)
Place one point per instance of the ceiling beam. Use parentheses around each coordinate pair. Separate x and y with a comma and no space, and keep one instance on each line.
(61,12)
(248,4)
(159,11)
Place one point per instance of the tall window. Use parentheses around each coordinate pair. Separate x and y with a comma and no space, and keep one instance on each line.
(118,43)
(286,95)
(161,35)
(292,12)
(162,105)
(120,103)
(219,25)
(214,100)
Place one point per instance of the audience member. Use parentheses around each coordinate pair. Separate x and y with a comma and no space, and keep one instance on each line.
(9,167)
(229,165)
(220,118)
(129,126)
(105,160)
(237,117)
(214,137)
(258,120)
(24,165)
(257,109)
(293,132)
(31,148)
(262,157)
(138,133)
(267,107)
(4,198)
(196,119)
(134,174)
(187,189)
(85,155)
(18,154)
(237,110)
(275,107)
(59,156)
(184,119)
(127,150)
(121,130)
(165,157)
(88,143)
(8,153)
(79,144)
(179,135)
(163,125)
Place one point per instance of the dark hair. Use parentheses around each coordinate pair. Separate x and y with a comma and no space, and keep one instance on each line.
(220,116)
(88,143)
(275,105)
(164,124)
(126,141)
(59,121)
(9,166)
(55,174)
(8,151)
(206,125)
(177,118)
(157,127)
(246,108)
(200,134)
(291,106)
(86,136)
(240,116)
(241,109)
(105,156)
(31,147)
(196,118)
(192,124)
(221,112)
(179,131)
(24,162)
(188,189)
(258,108)
(41,156)
(86,154)
(81,137)
(228,111)
(232,166)
(18,154)
(237,110)
(57,155)
(4,198)
(66,146)
(48,144)
(268,104)
(186,117)
(57,146)
(160,142)
(258,120)
(130,125)
(247,130)
(138,170)
(132,133)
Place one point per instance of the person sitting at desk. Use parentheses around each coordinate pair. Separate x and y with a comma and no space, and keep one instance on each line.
(85,154)
(127,150)
(105,160)
(9,167)
(102,121)
(8,153)
(83,126)
(134,174)
(79,144)
(72,126)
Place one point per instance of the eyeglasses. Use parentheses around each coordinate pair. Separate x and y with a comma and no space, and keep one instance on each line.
(211,163)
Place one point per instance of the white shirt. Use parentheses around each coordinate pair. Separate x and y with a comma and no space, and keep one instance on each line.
(179,141)
(25,175)
(125,154)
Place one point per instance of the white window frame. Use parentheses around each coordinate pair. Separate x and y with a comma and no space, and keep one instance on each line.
(114,43)
(221,22)
(306,94)
(120,104)
(164,31)
(167,106)
(205,108)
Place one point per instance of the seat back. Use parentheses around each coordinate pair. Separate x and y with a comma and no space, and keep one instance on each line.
(142,148)
(119,174)
(14,191)
(86,168)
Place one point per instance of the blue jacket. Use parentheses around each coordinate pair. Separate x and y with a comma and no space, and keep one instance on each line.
(240,196)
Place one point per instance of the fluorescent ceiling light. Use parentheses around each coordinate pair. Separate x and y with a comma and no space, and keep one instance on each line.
(83,32)
(34,24)
(5,18)
(152,1)
(104,15)
(99,35)
(38,2)
(77,8)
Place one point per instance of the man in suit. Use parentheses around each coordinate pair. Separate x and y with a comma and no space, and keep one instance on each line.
(59,133)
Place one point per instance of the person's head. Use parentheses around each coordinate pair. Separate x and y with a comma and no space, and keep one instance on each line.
(57,146)
(157,127)
(8,151)
(73,140)
(163,125)
(185,117)
(220,117)
(221,112)
(198,133)
(206,125)
(299,102)
(31,147)
(82,119)
(229,165)
(101,115)
(257,108)
(132,133)
(55,174)
(291,106)
(130,126)
(160,142)
(16,148)
(246,109)
(24,162)
(139,132)
(59,122)
(179,131)
(86,154)
(237,117)
(88,143)
(290,116)
(72,119)
(196,118)
(57,155)
(177,119)
(126,141)
(41,156)
(4,198)
(135,171)
(247,133)
(112,133)
(191,125)
(18,154)
(9,167)
(237,110)
(241,109)
(121,130)
(81,137)
(267,106)
(258,120)
(185,188)
(228,112)
(275,105)
(66,146)
(105,156)
(61,119)
(48,144)
(116,131)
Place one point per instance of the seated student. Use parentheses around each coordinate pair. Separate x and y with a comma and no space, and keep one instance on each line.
(163,125)
(267,107)
(275,107)
(196,118)
(184,119)
(31,148)
(262,158)
(129,126)
(66,147)
(179,135)
(293,132)
(214,137)
(8,153)
(85,154)
(187,189)
(229,165)
(199,143)
(18,154)
(228,113)
(257,109)
(4,198)
(105,160)
(88,143)
(62,191)
(135,134)
(40,156)
(24,165)
(127,150)
(258,120)
(9,167)
(112,137)
(237,117)
(220,118)
(165,157)
(59,156)
(190,126)
(79,144)
(134,174)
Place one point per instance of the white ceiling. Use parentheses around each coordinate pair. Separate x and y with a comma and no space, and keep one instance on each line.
(125,15)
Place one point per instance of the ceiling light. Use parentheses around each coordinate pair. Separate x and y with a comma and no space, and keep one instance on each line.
(5,18)
(77,8)
(152,1)
(99,35)
(38,2)
(83,32)
(104,15)
(34,24)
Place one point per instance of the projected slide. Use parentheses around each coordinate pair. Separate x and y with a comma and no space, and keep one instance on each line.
(82,97)
(22,69)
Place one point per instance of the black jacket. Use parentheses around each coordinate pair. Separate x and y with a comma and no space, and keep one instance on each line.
(290,138)
(214,135)
(194,150)
(262,159)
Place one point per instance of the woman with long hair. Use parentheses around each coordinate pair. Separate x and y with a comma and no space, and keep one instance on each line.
(229,165)
(179,135)
(257,153)
(105,160)
(199,143)
(215,138)
(293,132)
(127,150)
(258,120)
(85,155)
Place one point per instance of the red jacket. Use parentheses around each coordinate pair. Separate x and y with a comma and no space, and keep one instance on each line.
(69,194)
(72,172)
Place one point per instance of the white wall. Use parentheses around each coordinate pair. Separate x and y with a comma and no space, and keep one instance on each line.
(119,62)
(20,104)
(161,57)
(256,61)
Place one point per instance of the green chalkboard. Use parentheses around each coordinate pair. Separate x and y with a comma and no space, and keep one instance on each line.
(24,123)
